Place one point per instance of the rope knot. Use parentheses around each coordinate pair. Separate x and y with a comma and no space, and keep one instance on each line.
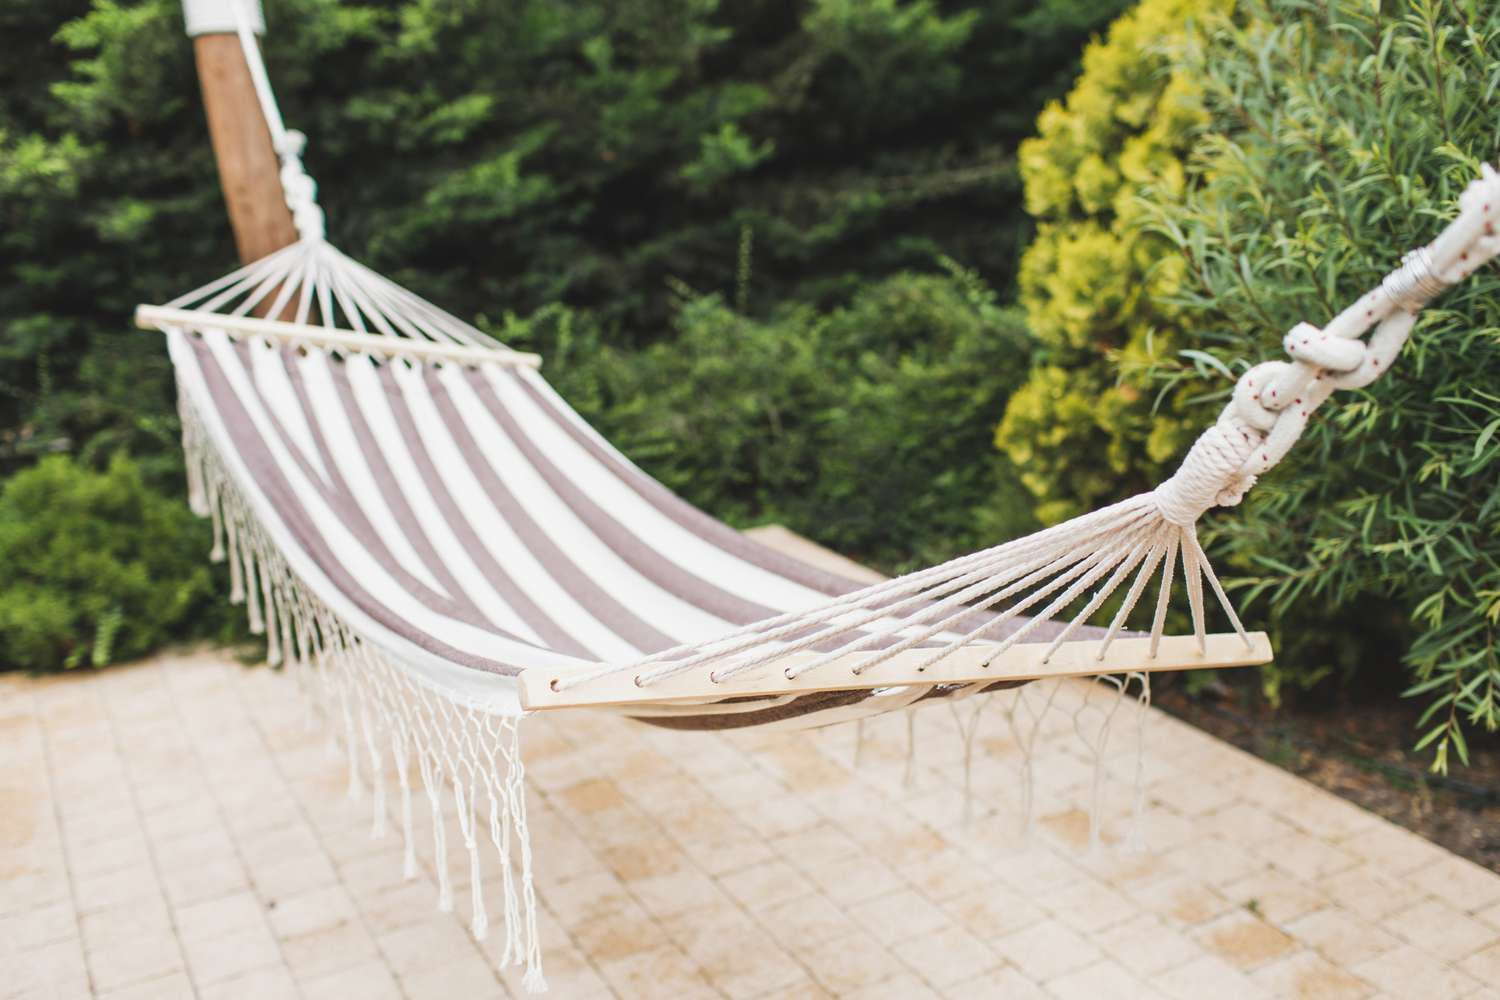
(1211,473)
(299,189)
(1253,393)
(290,143)
(1311,346)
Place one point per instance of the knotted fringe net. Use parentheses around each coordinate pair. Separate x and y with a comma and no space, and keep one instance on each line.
(374,707)
(1088,708)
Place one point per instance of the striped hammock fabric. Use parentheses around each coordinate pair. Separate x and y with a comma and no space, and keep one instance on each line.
(416,520)
(468,523)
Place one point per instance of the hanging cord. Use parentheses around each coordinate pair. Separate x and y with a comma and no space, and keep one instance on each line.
(299,189)
(1272,401)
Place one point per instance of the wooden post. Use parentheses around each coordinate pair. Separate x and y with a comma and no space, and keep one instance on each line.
(249,172)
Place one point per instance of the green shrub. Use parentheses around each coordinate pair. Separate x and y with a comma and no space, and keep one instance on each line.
(1215,177)
(503,155)
(98,567)
(1095,284)
(864,426)
(1342,136)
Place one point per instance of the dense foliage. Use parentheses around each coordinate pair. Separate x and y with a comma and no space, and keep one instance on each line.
(1343,136)
(649,181)
(97,567)
(501,155)
(866,426)
(1215,177)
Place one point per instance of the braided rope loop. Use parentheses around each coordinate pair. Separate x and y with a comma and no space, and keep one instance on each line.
(1272,402)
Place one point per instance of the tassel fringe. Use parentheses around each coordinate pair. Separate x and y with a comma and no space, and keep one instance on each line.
(462,752)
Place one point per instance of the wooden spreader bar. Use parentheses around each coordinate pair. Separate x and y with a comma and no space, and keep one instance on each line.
(280,332)
(964,666)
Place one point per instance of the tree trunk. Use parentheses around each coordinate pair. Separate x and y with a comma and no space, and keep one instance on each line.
(249,172)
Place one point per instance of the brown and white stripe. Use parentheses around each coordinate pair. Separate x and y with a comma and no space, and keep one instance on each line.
(468,522)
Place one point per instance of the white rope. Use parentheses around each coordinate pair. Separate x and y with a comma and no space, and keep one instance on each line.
(1272,402)
(383,320)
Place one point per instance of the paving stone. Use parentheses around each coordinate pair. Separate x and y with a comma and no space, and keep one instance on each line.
(1207,976)
(1490,915)
(944,958)
(368,981)
(1341,937)
(1089,906)
(1181,901)
(898,916)
(175,986)
(1440,930)
(855,880)
(57,969)
(237,912)
(231,955)
(810,920)
(1047,950)
(1146,945)
(433,942)
(1007,982)
(1306,974)
(1277,897)
(1484,965)
(767,886)
(661,971)
(328,949)
(1458,882)
(123,923)
(1244,940)
(1101,979)
(469,976)
(125,962)
(39,926)
(1369,893)
(220,858)
(850,963)
(1405,971)
(127,885)
(1305,856)
(261,984)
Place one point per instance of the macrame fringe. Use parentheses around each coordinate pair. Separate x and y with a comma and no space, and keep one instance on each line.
(1026,711)
(463,755)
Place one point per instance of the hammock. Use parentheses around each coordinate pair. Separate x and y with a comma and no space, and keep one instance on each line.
(409,508)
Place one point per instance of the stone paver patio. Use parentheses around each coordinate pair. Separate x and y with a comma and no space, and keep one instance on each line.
(176,829)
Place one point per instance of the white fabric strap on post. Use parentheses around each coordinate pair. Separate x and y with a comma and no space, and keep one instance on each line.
(221,17)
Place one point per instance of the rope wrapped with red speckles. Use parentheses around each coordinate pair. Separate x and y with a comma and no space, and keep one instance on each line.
(1273,401)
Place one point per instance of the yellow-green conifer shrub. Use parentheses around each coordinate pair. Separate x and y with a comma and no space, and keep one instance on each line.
(1094,282)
